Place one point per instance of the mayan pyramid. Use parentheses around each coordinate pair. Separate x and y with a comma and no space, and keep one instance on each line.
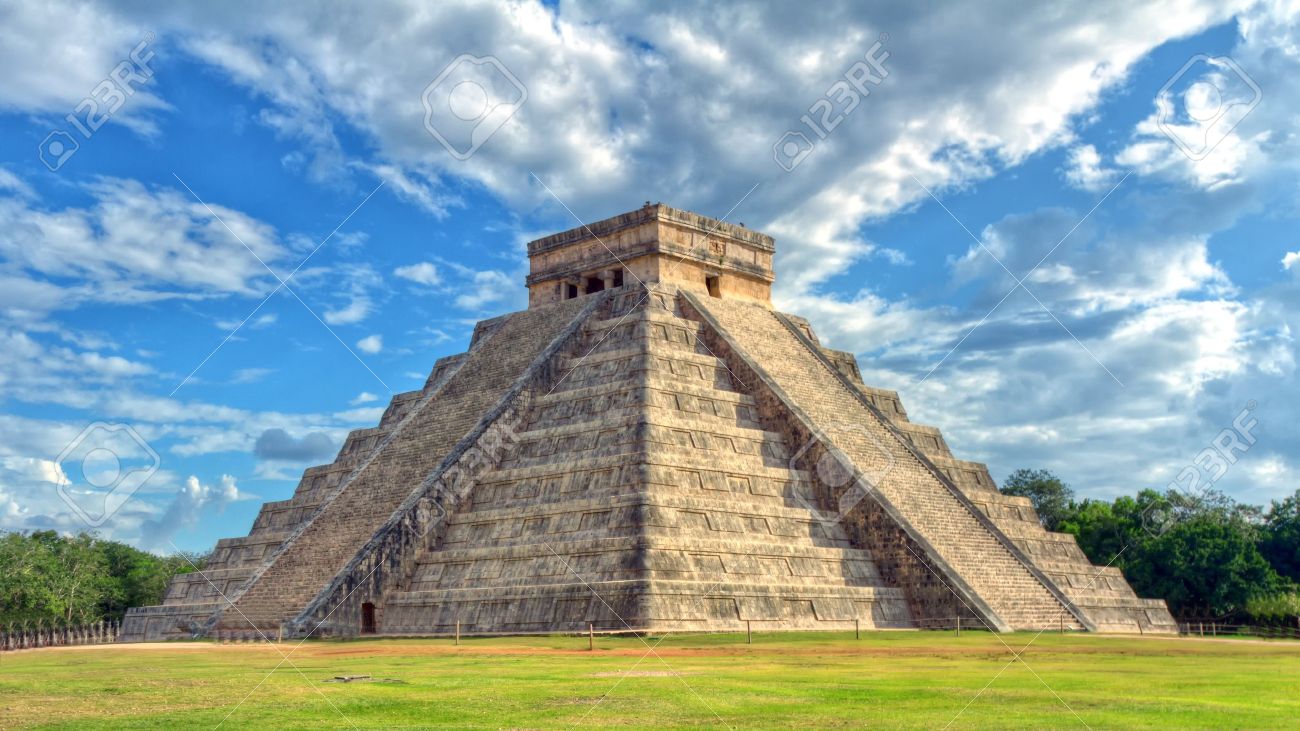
(649,446)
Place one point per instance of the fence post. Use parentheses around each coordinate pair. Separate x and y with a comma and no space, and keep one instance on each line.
(458,632)
(749,633)
(959,625)
(591,637)
(857,629)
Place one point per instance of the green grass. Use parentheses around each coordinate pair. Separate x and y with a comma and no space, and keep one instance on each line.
(890,679)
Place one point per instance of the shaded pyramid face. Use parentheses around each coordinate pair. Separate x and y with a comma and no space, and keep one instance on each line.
(670,455)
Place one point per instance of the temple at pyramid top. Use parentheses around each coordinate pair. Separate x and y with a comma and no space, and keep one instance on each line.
(655,243)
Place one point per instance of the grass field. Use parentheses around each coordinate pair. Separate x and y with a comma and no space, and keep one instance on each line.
(893,680)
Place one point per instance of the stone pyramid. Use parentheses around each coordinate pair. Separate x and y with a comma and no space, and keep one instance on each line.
(649,446)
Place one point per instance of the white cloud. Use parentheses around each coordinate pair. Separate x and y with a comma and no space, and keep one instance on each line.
(95,40)
(299,109)
(358,309)
(185,509)
(253,323)
(487,288)
(424,272)
(371,344)
(418,187)
(1153,153)
(358,283)
(368,415)
(1290,259)
(32,468)
(14,184)
(364,397)
(133,244)
(1085,170)
(893,256)
(250,375)
(623,95)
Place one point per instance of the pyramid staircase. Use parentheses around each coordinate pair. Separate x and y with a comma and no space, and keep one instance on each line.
(989,548)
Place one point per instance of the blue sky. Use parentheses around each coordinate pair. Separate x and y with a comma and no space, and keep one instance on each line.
(1164,302)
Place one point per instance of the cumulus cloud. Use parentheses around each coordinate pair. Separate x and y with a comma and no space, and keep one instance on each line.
(102,39)
(424,272)
(688,101)
(1085,170)
(134,244)
(364,397)
(39,470)
(185,509)
(358,309)
(278,445)
(371,344)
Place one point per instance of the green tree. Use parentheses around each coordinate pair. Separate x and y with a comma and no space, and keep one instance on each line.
(1101,529)
(1204,566)
(46,577)
(1280,536)
(1200,554)
(1050,496)
(51,578)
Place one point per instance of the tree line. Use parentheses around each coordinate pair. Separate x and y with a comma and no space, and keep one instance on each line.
(50,578)
(1207,555)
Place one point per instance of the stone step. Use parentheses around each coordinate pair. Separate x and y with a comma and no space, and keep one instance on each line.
(645,605)
(741,531)
(671,465)
(780,507)
(651,381)
(627,362)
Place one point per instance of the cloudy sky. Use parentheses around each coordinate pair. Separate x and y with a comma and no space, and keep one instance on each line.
(1065,233)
